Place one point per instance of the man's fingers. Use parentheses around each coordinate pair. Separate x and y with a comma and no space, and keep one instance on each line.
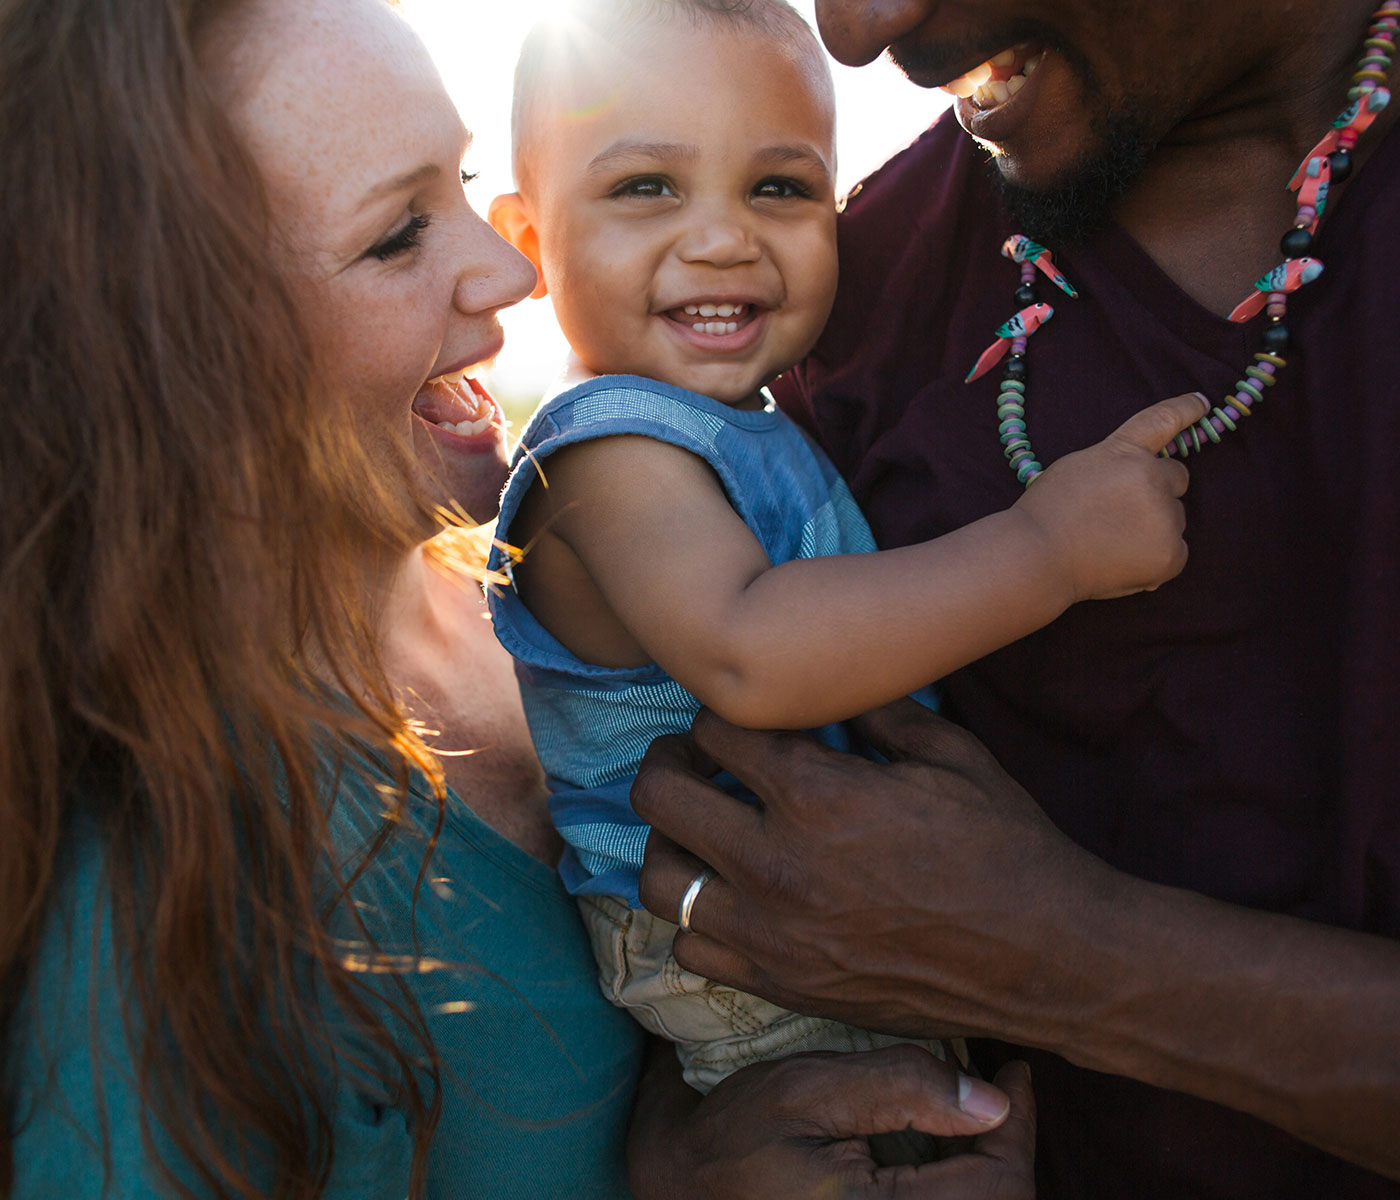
(890,1089)
(908,730)
(767,762)
(1154,427)
(672,796)
(1014,1139)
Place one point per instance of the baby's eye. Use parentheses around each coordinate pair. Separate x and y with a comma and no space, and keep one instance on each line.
(779,188)
(644,187)
(402,240)
(469,176)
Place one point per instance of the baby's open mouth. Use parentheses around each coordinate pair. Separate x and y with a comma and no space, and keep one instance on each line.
(716,318)
(995,81)
(456,403)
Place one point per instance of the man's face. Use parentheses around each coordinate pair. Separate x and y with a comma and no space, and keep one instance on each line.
(1107,79)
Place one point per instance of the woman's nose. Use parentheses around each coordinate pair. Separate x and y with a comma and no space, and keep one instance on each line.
(493,273)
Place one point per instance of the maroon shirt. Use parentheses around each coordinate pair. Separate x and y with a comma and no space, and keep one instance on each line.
(1235,732)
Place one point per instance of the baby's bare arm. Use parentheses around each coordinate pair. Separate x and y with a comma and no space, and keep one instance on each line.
(817,640)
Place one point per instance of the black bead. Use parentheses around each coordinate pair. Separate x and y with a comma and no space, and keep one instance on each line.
(1025,294)
(1340,161)
(1016,367)
(1276,339)
(1295,243)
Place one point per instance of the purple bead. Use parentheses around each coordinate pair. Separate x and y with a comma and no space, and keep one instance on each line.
(1264,365)
(1028,272)
(1217,424)
(1232,412)
(1018,345)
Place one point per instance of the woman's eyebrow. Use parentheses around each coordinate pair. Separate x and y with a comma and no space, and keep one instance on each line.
(400,183)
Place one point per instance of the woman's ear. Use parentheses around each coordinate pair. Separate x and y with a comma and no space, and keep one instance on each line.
(510,218)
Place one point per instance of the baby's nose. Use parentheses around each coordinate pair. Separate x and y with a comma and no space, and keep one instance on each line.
(721,242)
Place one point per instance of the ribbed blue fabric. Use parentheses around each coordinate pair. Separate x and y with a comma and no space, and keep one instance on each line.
(592,724)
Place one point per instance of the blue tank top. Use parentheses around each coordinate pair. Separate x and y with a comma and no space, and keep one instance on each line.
(591,724)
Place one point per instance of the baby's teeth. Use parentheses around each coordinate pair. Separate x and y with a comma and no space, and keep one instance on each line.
(731,327)
(1015,84)
(724,310)
(692,310)
(447,425)
(1004,59)
(472,428)
(707,310)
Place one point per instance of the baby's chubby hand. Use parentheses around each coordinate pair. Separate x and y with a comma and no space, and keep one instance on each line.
(1111,515)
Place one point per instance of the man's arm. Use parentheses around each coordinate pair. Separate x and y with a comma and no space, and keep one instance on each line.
(932,896)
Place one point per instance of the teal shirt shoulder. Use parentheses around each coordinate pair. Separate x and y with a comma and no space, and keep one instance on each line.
(538,1070)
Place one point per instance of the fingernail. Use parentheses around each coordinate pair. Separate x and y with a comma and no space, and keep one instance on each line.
(1204,399)
(982,1100)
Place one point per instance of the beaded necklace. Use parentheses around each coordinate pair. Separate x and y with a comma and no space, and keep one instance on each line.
(1327,163)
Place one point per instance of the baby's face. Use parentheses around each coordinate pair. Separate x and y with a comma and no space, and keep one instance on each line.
(684,201)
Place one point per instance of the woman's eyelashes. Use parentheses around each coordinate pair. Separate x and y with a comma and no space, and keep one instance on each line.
(408,235)
(402,240)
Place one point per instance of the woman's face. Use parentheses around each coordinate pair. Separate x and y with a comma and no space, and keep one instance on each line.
(400,281)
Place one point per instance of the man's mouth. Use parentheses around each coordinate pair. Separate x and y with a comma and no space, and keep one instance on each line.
(457,403)
(995,81)
(713,318)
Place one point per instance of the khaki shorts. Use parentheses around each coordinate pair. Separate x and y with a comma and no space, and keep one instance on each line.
(716,1029)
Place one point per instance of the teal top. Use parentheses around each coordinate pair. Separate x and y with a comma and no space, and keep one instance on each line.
(538,1070)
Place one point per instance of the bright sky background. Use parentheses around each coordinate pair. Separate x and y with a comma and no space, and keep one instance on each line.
(475,46)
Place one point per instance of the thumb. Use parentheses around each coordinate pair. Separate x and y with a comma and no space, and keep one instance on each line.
(899,1086)
(1153,428)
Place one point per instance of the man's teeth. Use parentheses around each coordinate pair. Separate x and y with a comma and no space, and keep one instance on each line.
(987,92)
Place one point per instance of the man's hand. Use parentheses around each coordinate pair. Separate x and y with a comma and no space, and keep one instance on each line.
(931,896)
(923,897)
(795,1128)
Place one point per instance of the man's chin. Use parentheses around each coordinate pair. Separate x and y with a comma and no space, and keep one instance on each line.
(1082,200)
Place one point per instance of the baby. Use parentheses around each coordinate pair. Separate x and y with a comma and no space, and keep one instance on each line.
(683,542)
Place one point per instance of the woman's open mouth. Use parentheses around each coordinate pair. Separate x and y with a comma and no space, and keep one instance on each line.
(460,407)
(995,81)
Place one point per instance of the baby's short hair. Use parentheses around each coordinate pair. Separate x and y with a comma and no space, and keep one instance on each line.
(548,47)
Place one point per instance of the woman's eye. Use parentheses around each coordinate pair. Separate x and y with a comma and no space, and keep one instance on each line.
(402,240)
(778,188)
(645,187)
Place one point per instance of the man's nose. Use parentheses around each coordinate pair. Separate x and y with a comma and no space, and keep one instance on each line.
(857,31)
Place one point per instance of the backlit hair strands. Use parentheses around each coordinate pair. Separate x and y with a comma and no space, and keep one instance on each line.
(185,528)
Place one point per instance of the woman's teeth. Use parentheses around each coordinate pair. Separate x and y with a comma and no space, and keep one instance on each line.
(467,428)
(716,328)
(989,84)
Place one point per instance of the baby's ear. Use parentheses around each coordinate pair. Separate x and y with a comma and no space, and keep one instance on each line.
(510,218)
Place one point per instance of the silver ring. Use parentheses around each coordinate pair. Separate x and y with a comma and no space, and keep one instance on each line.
(688,900)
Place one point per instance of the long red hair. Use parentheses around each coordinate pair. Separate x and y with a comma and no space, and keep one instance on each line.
(185,531)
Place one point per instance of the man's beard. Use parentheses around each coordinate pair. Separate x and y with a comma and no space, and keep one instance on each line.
(1080,202)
